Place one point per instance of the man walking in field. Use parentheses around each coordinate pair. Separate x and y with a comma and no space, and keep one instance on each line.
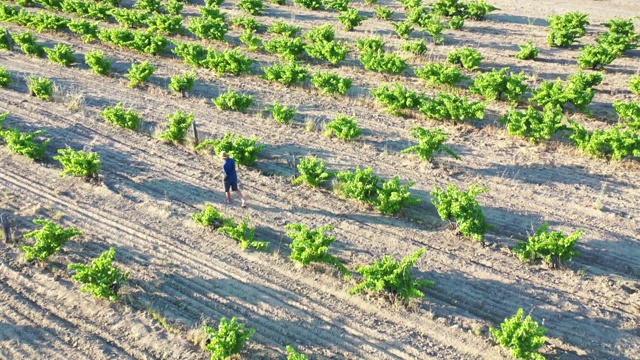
(230,178)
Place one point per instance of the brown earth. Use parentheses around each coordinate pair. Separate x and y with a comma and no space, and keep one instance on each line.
(187,277)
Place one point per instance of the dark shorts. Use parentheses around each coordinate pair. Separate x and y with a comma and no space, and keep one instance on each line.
(232,185)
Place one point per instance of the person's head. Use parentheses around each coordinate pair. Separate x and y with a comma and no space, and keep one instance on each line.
(224,155)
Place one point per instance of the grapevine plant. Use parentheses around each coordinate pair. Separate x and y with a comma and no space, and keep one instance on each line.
(463,207)
(228,340)
(312,245)
(523,336)
(245,151)
(79,163)
(178,126)
(49,240)
(313,172)
(101,278)
(430,143)
(554,247)
(25,143)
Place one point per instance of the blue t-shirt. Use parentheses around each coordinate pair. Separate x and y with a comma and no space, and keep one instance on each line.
(229,169)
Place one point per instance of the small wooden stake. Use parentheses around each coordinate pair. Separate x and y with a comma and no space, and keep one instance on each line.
(195,132)
(4,222)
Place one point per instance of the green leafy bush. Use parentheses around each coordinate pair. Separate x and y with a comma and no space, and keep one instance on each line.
(522,336)
(533,124)
(86,9)
(282,113)
(209,216)
(383,62)
(368,45)
(338,5)
(392,196)
(213,12)
(253,7)
(41,87)
(243,233)
(284,29)
(25,143)
(179,124)
(417,47)
(331,51)
(429,143)
(78,163)
(397,97)
(463,207)
(101,278)
(392,275)
(146,42)
(287,74)
(119,116)
(148,5)
(313,172)
(634,84)
(87,30)
(139,73)
(207,28)
(97,62)
(331,83)
(5,77)
(227,62)
(344,127)
(49,240)
(5,39)
(433,25)
(192,54)
(351,18)
(28,44)
(183,84)
(245,151)
(312,245)
(437,74)
(129,18)
(293,354)
(447,106)
(383,12)
(309,4)
(231,100)
(165,24)
(565,29)
(288,48)
(629,112)
(596,57)
(456,23)
(553,247)
(477,9)
(61,54)
(528,51)
(577,90)
(466,57)
(621,36)
(228,340)
(250,39)
(449,8)
(403,29)
(246,22)
(43,21)
(174,7)
(498,83)
(611,143)
(361,185)
(210,3)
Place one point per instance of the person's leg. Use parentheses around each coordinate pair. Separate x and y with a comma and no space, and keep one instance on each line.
(227,191)
(241,197)
(234,187)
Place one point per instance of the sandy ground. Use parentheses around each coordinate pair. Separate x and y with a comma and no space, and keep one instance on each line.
(188,277)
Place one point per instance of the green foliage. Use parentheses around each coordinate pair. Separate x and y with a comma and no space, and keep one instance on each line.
(146,42)
(206,28)
(629,112)
(344,127)
(415,15)
(231,100)
(25,143)
(5,39)
(312,245)
(338,5)
(119,116)
(228,340)
(456,23)
(368,45)
(522,336)
(282,113)
(383,12)
(28,44)
(449,8)
(383,62)
(287,74)
(463,207)
(211,3)
(293,354)
(49,240)
(634,84)
(565,29)
(497,83)
(87,9)
(279,2)
(96,60)
(243,150)
(61,54)
(477,9)
(577,90)
(320,34)
(87,30)
(243,233)
(250,39)
(528,51)
(284,29)
(213,12)
(51,4)
(611,143)
(165,24)
(392,196)
(209,216)
(433,25)
(245,22)
(596,57)
(101,278)
(78,163)
(553,247)
(139,73)
(41,87)
(129,18)
(174,7)
(227,62)
(331,83)
(5,77)
(452,107)
(42,21)
(323,46)
(361,185)
(183,84)
(397,98)
(179,124)
(437,74)
(533,124)
(288,48)
(403,29)
(392,275)
(429,143)
(253,7)
(621,36)
(466,57)
(350,18)
(313,172)
(148,5)
(192,54)
(309,4)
